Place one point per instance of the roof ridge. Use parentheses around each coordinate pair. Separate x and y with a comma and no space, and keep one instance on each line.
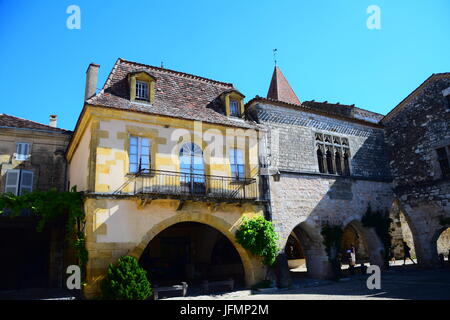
(180,73)
(396,109)
(46,125)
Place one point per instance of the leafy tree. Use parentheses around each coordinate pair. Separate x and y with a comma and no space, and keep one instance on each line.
(380,221)
(259,237)
(126,281)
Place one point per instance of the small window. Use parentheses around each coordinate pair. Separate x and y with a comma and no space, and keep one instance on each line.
(320,161)
(22,151)
(234,108)
(139,154)
(237,164)
(330,162)
(141,90)
(19,182)
(443,162)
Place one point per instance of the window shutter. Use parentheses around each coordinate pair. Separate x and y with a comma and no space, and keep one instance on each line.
(26,181)
(12,181)
(25,150)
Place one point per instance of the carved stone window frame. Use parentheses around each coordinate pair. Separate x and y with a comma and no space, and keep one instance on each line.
(336,145)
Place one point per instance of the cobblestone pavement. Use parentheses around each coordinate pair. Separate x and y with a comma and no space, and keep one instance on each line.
(398,283)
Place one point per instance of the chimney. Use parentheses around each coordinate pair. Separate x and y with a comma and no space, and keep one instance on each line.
(91,80)
(53,118)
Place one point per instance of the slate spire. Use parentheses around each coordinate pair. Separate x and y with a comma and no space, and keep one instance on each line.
(280,89)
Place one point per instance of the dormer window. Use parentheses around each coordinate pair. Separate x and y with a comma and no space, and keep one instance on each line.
(234,108)
(142,87)
(141,90)
(233,103)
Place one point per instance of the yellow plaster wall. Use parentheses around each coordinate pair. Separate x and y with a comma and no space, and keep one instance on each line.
(125,227)
(166,135)
(79,163)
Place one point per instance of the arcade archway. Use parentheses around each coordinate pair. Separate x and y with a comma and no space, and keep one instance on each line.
(191,252)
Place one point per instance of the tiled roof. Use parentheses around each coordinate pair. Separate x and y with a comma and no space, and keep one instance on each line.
(15,122)
(328,109)
(177,94)
(280,89)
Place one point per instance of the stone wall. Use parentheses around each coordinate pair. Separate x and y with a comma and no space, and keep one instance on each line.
(46,161)
(304,199)
(413,132)
(292,144)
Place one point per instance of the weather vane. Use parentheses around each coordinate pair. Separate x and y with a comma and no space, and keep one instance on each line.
(275,56)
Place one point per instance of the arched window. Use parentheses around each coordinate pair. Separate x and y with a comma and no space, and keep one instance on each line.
(192,168)
(337,159)
(320,161)
(330,162)
(346,164)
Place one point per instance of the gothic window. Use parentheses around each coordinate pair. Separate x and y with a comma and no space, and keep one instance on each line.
(346,163)
(330,162)
(333,154)
(337,159)
(320,161)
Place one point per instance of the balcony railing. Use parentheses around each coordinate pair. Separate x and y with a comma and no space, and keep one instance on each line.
(170,183)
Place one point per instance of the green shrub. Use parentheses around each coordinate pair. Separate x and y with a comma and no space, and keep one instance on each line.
(259,237)
(126,281)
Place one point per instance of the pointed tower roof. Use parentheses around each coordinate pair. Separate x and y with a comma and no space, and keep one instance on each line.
(280,89)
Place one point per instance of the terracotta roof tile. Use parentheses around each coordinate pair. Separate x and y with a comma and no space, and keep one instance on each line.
(15,122)
(280,89)
(177,94)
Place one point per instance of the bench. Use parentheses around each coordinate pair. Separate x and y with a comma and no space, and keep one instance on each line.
(179,287)
(207,285)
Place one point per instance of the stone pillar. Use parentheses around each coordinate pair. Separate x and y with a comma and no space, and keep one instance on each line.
(282,270)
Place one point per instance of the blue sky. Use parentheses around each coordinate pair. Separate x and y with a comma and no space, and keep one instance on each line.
(324,48)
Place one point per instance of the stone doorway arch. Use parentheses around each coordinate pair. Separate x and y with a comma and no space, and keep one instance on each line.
(253,268)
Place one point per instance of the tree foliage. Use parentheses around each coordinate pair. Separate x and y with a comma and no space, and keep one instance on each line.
(126,281)
(332,237)
(259,237)
(380,221)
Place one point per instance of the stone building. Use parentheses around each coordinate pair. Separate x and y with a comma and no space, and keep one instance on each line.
(31,158)
(169,167)
(418,136)
(327,162)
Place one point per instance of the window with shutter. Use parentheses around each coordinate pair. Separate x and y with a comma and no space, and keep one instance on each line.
(26,181)
(22,150)
(12,181)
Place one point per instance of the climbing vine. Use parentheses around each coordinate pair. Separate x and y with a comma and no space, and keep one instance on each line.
(380,221)
(49,207)
(332,237)
(259,237)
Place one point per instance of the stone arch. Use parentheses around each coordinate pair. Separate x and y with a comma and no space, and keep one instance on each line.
(317,264)
(248,261)
(435,238)
(370,240)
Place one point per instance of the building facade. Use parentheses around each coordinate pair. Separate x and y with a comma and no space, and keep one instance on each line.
(418,136)
(31,158)
(169,167)
(327,163)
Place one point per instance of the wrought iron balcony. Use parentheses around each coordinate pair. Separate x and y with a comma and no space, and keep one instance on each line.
(170,183)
